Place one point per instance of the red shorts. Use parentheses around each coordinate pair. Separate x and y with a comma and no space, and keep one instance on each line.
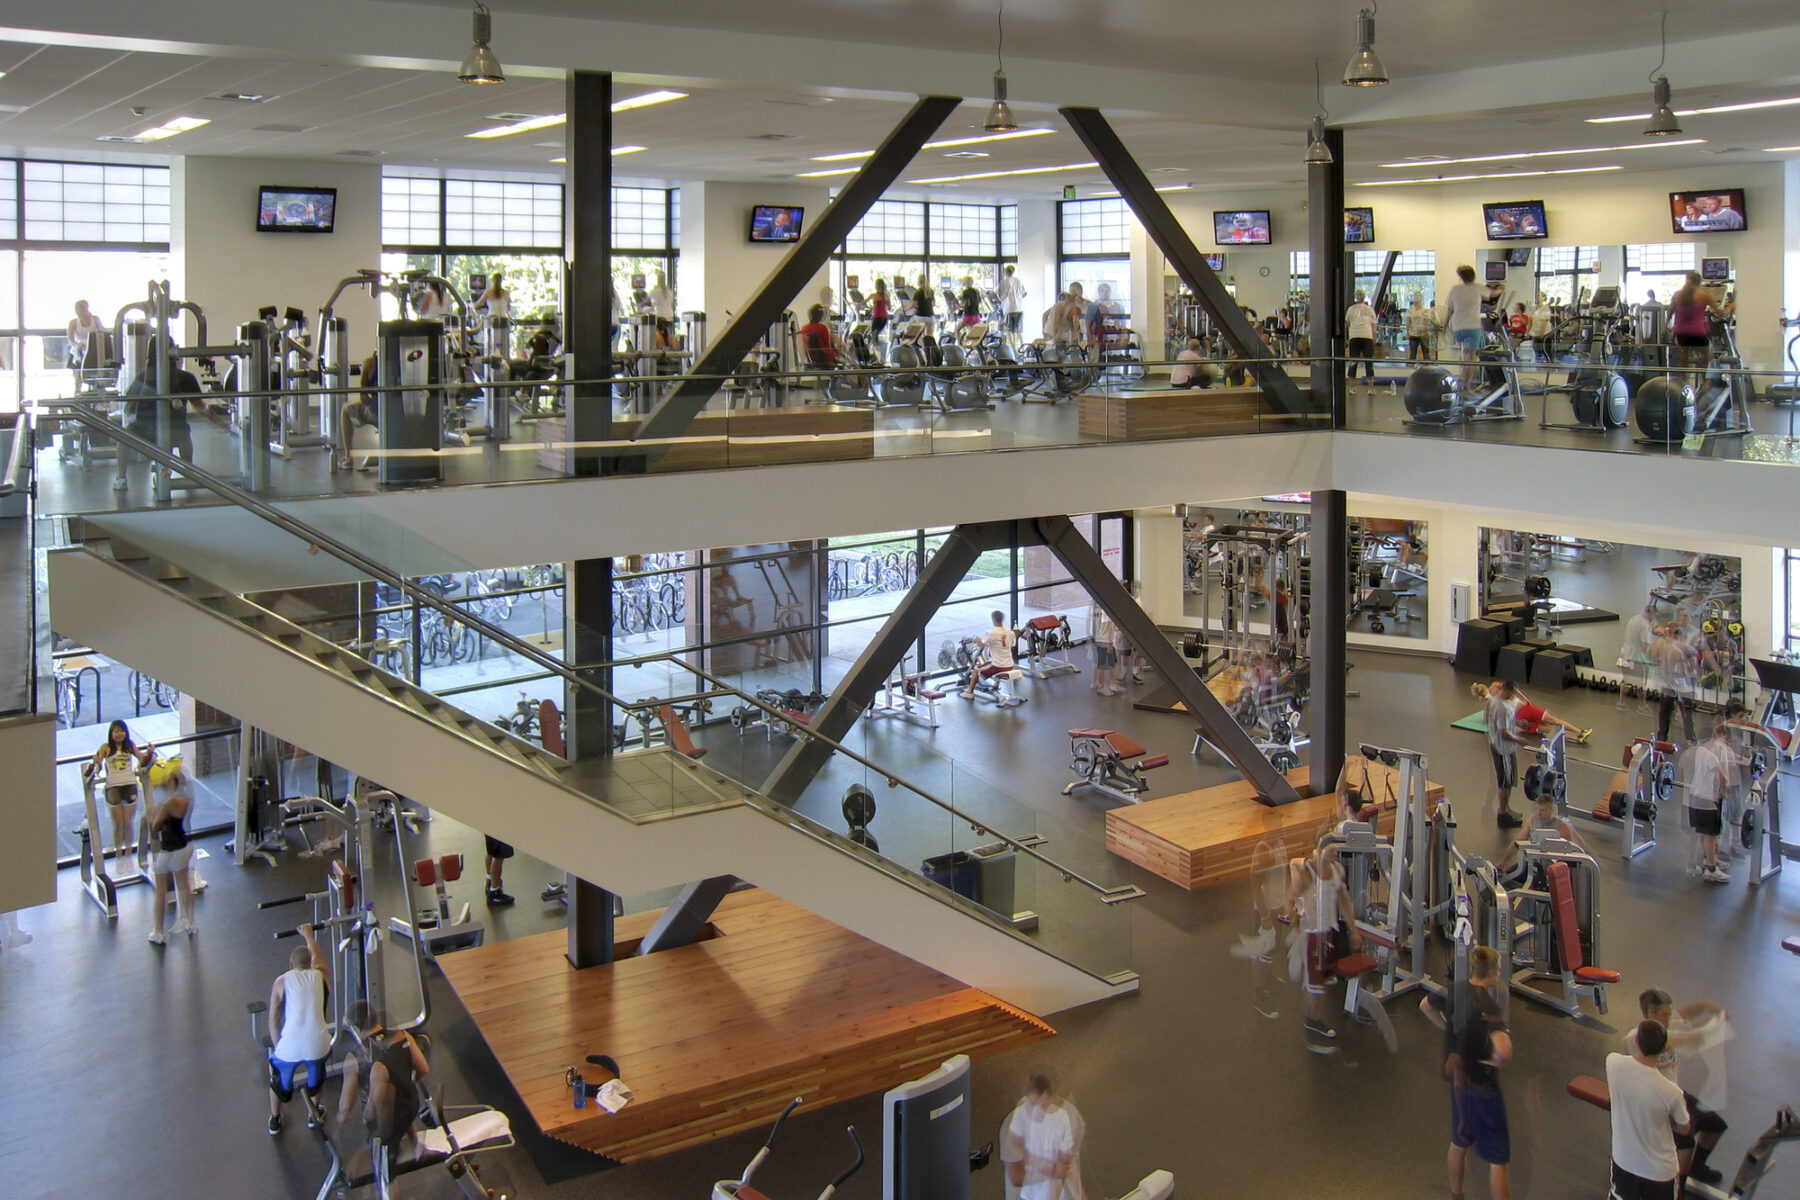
(1530,718)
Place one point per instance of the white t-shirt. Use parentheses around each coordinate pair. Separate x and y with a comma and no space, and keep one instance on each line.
(121,770)
(1183,372)
(1048,1135)
(1418,322)
(304,1037)
(1463,307)
(1502,720)
(1540,321)
(1319,902)
(663,301)
(1644,1105)
(999,642)
(1635,646)
(1706,777)
(1359,322)
(1012,295)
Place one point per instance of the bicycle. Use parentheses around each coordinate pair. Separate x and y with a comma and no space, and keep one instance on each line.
(523,720)
(152,692)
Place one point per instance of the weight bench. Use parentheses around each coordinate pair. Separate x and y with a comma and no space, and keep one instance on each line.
(436,932)
(1359,1002)
(899,696)
(453,1144)
(1577,977)
(678,733)
(987,681)
(1110,763)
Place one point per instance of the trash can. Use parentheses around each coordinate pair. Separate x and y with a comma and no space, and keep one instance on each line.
(956,870)
(995,866)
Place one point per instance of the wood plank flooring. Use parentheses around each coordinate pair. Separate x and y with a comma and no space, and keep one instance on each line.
(715,1037)
(1205,837)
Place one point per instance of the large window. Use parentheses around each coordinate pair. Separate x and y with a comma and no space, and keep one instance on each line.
(68,232)
(1658,268)
(468,229)
(900,240)
(646,230)
(1094,244)
(890,227)
(1564,272)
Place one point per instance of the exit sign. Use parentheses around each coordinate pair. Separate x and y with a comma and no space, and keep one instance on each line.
(1068,191)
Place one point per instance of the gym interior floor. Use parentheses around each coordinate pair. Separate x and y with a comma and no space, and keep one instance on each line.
(125,1063)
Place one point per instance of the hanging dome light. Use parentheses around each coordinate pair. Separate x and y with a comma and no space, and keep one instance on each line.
(481,66)
(1318,154)
(1000,117)
(1662,116)
(1365,69)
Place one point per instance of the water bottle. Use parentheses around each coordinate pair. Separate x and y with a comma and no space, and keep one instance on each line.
(578,1086)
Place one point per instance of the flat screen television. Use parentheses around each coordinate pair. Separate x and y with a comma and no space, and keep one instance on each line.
(1496,271)
(1359,224)
(776,223)
(1515,221)
(1715,210)
(1215,262)
(1247,227)
(296,210)
(1715,270)
(1518,256)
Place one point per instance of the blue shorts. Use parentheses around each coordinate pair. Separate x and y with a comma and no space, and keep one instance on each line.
(1467,339)
(1478,1119)
(281,1075)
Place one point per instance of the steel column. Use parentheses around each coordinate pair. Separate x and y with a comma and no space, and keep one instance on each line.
(856,690)
(1381,284)
(1328,301)
(682,923)
(1124,173)
(590,924)
(816,246)
(1329,610)
(588,316)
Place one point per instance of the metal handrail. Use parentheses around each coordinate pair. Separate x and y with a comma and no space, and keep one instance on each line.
(524,649)
(15,458)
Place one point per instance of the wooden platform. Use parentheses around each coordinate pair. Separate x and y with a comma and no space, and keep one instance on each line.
(1201,838)
(744,437)
(716,1037)
(1177,413)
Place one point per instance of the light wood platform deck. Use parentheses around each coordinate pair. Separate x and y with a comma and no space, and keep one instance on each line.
(716,1037)
(1175,413)
(1197,839)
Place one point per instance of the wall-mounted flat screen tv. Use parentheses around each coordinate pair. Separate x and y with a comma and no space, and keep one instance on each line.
(1359,224)
(296,210)
(1715,270)
(1518,256)
(1515,221)
(1496,271)
(1248,227)
(1717,210)
(776,223)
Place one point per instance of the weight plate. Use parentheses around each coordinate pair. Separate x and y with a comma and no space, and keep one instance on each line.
(1081,761)
(1663,786)
(1534,781)
(1615,803)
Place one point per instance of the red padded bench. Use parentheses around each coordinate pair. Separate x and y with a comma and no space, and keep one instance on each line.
(1593,1091)
(1577,975)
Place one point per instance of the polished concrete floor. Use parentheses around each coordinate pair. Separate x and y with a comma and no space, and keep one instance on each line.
(127,1067)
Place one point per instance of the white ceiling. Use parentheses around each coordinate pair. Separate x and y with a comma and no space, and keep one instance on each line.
(1235,38)
(60,98)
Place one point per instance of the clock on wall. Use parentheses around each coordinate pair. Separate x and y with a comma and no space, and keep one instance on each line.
(1264,272)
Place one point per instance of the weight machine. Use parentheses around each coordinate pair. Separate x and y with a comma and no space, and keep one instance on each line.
(1110,763)
(101,885)
(1045,643)
(1631,799)
(1557,931)
(1759,830)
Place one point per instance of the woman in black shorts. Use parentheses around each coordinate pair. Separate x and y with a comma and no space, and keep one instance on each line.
(118,761)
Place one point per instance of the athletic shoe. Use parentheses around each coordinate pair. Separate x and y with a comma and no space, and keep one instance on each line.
(184,926)
(157,939)
(497,898)
(1581,739)
(1321,1039)
(1714,875)
(1701,1173)
(1510,820)
(274,1124)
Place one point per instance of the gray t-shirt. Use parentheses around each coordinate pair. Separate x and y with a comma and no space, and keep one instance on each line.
(1464,305)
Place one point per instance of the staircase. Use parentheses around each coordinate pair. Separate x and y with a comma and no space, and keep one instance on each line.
(638,821)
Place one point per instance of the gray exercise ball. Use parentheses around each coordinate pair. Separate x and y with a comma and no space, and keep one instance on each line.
(1432,393)
(1665,409)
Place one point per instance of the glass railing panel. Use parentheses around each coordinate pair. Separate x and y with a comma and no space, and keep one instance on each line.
(210,757)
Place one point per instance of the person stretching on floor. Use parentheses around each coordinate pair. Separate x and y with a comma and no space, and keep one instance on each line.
(1529,717)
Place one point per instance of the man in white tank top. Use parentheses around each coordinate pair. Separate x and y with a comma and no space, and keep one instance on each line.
(298,1024)
(1318,891)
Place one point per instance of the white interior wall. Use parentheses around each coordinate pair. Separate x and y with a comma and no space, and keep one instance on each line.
(1037,260)
(28,851)
(219,261)
(729,267)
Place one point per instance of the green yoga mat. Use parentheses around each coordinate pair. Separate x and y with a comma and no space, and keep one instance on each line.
(1475,722)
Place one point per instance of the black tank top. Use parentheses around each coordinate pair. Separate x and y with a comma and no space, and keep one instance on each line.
(397,1058)
(171,833)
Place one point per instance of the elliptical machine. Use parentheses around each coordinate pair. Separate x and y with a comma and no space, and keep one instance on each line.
(1669,410)
(1435,396)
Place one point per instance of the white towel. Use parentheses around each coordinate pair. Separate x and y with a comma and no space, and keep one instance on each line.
(470,1131)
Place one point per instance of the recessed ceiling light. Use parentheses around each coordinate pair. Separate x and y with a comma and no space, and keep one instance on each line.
(360,153)
(646,100)
(243,97)
(967,154)
(827,174)
(946,144)
(1781,149)
(525,125)
(120,137)
(1167,170)
(1481,158)
(171,127)
(618,150)
(1491,175)
(1173,187)
(1747,106)
(1080,166)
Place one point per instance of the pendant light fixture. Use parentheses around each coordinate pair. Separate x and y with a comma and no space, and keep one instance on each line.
(1365,69)
(1662,116)
(481,66)
(1318,154)
(1000,118)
